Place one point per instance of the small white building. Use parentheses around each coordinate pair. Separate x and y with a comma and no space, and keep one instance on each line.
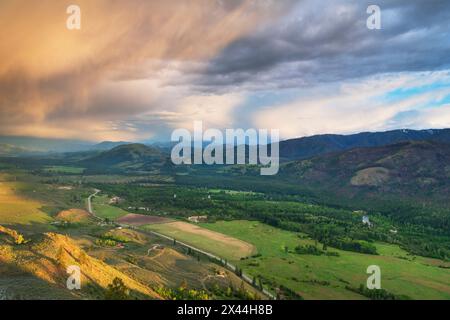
(115,200)
(198,219)
(366,221)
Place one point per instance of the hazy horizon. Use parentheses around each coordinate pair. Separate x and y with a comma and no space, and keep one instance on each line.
(94,142)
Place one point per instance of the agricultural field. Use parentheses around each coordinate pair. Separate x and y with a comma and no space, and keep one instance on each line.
(105,210)
(326,277)
(74,216)
(106,179)
(64,169)
(158,262)
(217,243)
(16,209)
(150,273)
(261,251)
(140,219)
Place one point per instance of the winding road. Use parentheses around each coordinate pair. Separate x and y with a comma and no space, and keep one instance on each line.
(226,264)
(89,204)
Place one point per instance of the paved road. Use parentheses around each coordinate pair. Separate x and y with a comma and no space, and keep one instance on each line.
(89,204)
(228,265)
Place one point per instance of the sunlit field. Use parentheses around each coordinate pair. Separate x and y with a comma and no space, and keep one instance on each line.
(319,277)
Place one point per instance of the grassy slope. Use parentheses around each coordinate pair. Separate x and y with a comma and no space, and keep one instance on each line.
(15,209)
(170,268)
(166,267)
(74,216)
(47,257)
(416,278)
(104,210)
(141,270)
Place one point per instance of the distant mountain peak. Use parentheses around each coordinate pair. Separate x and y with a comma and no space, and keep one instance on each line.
(130,155)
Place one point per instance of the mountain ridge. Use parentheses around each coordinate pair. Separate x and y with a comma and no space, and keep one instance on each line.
(410,168)
(307,147)
(134,156)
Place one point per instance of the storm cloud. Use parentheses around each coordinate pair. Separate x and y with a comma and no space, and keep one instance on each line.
(330,42)
(139,68)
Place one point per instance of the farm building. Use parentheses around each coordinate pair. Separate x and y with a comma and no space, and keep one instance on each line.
(198,219)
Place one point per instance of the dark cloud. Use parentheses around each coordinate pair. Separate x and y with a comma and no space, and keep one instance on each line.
(331,42)
(143,61)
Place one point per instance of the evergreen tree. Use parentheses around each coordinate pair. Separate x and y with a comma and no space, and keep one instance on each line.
(117,290)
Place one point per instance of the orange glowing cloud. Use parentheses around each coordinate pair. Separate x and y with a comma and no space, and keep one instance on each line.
(52,77)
